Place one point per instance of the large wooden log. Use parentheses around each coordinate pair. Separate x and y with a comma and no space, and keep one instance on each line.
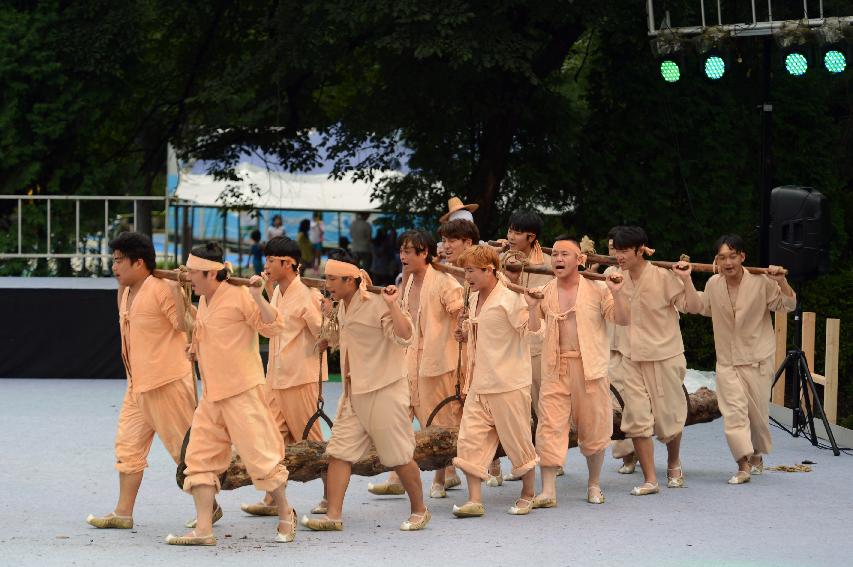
(435,447)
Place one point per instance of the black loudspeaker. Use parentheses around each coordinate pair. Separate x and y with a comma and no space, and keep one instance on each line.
(799,231)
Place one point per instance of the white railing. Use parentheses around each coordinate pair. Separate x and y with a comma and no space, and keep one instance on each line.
(81,250)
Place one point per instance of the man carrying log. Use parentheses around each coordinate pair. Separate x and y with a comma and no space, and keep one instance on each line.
(739,304)
(523,234)
(160,395)
(433,300)
(575,357)
(374,407)
(619,347)
(233,409)
(654,368)
(497,409)
(295,364)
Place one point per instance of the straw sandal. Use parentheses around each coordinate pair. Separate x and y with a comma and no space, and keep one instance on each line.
(594,498)
(110,521)
(322,524)
(517,510)
(386,489)
(408,526)
(291,534)
(191,539)
(217,515)
(645,488)
(437,491)
(544,502)
(740,477)
(469,510)
(321,508)
(675,481)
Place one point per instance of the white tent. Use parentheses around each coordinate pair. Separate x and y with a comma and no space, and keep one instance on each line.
(280,190)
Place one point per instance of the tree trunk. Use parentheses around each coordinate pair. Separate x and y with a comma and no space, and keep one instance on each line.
(435,447)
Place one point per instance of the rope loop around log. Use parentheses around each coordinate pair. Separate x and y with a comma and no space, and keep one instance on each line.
(320,402)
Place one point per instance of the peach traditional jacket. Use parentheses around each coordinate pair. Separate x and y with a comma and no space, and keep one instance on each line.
(656,299)
(441,296)
(533,281)
(498,349)
(294,359)
(593,306)
(153,345)
(371,353)
(226,342)
(743,333)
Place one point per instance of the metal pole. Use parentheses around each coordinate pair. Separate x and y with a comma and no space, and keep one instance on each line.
(806,9)
(753,12)
(702,7)
(766,164)
(719,14)
(135,222)
(769,10)
(106,225)
(239,240)
(77,226)
(48,226)
(175,210)
(20,204)
(651,10)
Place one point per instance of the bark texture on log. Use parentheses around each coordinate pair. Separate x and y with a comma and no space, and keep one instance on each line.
(435,447)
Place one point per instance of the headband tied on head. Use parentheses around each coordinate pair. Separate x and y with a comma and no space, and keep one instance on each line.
(290,261)
(204,265)
(346,270)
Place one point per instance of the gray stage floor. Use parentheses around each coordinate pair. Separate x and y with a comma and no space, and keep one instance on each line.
(57,467)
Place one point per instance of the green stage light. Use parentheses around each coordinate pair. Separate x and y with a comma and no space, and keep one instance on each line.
(796,64)
(834,61)
(670,71)
(715,67)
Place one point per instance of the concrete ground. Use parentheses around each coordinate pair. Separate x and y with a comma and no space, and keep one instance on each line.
(57,467)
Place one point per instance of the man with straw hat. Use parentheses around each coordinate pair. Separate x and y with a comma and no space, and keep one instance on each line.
(457,210)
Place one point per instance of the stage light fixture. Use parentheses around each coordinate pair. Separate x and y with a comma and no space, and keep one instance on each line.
(715,67)
(834,60)
(670,70)
(796,62)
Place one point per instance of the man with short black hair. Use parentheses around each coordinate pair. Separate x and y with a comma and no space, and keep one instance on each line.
(739,304)
(653,372)
(160,396)
(456,236)
(525,229)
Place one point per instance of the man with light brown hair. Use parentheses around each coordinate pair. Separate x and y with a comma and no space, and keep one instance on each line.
(497,409)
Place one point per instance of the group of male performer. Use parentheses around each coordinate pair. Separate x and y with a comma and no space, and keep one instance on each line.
(518,348)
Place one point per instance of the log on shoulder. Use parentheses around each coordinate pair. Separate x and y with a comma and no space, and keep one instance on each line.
(435,447)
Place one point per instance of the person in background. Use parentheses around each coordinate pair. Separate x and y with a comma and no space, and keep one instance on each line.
(256,253)
(360,232)
(379,267)
(305,248)
(275,229)
(317,234)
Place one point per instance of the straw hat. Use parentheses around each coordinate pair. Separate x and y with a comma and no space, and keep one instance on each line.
(455,204)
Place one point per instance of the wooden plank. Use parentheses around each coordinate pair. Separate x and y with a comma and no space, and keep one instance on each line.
(818,379)
(781,328)
(830,369)
(809,319)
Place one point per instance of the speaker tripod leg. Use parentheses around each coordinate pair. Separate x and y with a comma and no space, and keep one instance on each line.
(809,386)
